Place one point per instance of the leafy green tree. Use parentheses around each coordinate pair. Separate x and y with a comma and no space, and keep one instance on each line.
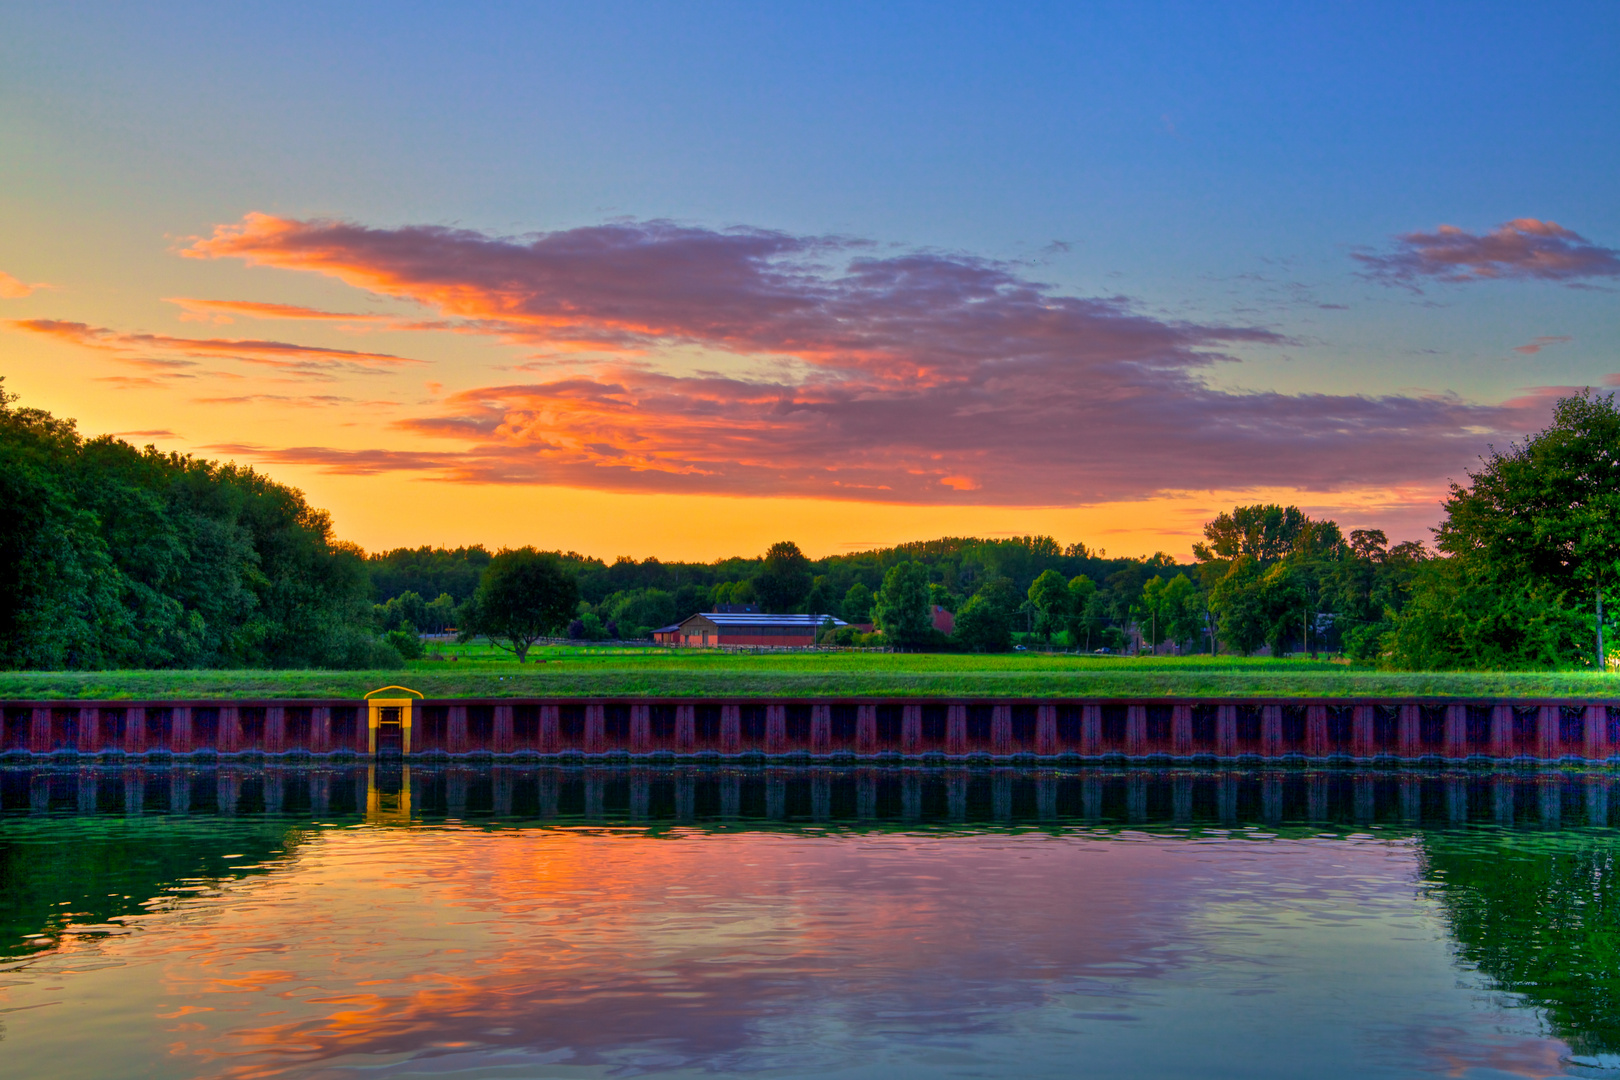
(636,613)
(427,571)
(1085,612)
(985,622)
(901,608)
(732,592)
(524,595)
(440,614)
(1367,589)
(406,643)
(857,607)
(784,580)
(1054,604)
(1532,550)
(112,556)
(689,600)
(1264,567)
(821,600)
(1170,610)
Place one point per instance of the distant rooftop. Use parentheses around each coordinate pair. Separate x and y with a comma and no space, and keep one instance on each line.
(738,618)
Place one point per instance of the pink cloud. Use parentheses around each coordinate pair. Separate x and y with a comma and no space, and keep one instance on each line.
(13,289)
(1535,345)
(918,377)
(1522,249)
(223,310)
(161,352)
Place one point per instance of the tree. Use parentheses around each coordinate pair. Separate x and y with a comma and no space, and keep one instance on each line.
(857,604)
(1054,603)
(1085,612)
(901,608)
(985,622)
(1264,567)
(1170,610)
(784,580)
(524,595)
(636,613)
(1368,588)
(820,601)
(1532,550)
(113,556)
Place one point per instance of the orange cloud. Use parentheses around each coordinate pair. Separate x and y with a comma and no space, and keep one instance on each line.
(917,377)
(223,309)
(165,353)
(12,289)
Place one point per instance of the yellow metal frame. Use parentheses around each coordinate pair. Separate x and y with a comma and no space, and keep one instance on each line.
(374,708)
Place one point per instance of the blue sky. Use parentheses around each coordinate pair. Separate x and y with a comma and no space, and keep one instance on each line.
(1218,164)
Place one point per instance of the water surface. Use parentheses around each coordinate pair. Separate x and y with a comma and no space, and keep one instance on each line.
(524,922)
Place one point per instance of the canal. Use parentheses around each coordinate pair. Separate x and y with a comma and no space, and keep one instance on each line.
(410,919)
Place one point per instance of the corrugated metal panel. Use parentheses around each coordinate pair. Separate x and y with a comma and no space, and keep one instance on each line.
(797,622)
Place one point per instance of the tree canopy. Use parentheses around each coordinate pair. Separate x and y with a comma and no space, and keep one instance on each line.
(902,609)
(523,596)
(113,556)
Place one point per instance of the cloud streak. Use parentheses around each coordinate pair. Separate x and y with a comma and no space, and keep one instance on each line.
(165,353)
(920,377)
(224,310)
(1535,345)
(1524,249)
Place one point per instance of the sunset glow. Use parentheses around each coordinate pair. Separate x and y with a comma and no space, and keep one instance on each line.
(619,373)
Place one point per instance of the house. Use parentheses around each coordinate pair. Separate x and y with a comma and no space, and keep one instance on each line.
(744,628)
(944,621)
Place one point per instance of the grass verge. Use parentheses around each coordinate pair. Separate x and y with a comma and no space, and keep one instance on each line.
(602,672)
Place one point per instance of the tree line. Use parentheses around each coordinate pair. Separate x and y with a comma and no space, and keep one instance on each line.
(118,557)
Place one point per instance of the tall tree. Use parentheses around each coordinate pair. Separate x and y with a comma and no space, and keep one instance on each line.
(523,596)
(857,607)
(1535,533)
(984,624)
(1053,602)
(784,579)
(1086,614)
(901,608)
(1264,566)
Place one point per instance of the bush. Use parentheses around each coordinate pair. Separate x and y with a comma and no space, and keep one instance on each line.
(405,643)
(352,649)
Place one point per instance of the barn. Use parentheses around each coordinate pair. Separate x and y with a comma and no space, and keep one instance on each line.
(745,628)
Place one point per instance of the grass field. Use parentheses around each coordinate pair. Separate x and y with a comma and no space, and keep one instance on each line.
(592,671)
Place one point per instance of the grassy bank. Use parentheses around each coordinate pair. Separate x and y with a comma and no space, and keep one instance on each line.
(590,672)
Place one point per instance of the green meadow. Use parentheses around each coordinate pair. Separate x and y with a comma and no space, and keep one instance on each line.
(478,671)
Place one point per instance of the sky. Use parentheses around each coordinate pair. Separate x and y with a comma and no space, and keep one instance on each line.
(686,279)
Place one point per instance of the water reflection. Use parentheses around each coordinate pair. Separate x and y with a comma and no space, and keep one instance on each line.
(553,921)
